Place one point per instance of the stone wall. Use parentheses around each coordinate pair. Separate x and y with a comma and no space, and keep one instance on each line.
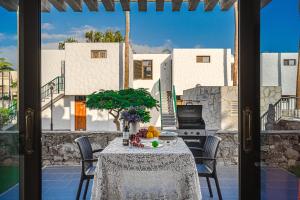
(229,108)
(278,148)
(9,148)
(220,104)
(59,148)
(210,99)
(269,95)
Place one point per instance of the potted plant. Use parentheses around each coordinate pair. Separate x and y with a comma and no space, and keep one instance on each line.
(133,116)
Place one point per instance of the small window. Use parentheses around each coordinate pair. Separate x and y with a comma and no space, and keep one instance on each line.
(98,54)
(289,62)
(143,69)
(203,59)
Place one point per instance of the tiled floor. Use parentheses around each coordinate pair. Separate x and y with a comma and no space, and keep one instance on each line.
(60,183)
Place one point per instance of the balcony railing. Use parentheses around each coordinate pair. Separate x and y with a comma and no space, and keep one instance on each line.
(284,107)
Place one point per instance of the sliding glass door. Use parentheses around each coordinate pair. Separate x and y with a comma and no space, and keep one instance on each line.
(280,100)
(20,94)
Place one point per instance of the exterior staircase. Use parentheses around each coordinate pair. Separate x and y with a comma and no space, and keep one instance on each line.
(284,109)
(58,91)
(168,108)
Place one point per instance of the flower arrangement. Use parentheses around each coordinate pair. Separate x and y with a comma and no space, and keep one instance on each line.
(135,114)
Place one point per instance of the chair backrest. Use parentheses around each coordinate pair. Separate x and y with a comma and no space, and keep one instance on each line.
(210,150)
(86,151)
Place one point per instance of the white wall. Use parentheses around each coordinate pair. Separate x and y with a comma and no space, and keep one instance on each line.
(187,73)
(51,64)
(99,121)
(274,73)
(85,75)
(289,74)
(159,61)
(62,111)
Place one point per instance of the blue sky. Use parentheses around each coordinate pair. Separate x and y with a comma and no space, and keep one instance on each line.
(154,31)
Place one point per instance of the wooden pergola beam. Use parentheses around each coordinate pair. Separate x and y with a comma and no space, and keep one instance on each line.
(176,5)
(92,5)
(263,3)
(193,4)
(76,5)
(142,5)
(210,4)
(45,6)
(226,4)
(10,5)
(60,5)
(125,5)
(109,5)
(160,5)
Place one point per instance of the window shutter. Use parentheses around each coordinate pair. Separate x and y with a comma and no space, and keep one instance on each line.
(138,69)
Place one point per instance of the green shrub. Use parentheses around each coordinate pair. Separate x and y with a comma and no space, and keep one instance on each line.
(4,116)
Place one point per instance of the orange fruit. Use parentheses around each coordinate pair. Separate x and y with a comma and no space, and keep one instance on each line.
(156,133)
(151,128)
(150,134)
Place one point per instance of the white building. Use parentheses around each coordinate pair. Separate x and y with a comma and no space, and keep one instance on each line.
(205,67)
(280,69)
(90,67)
(87,68)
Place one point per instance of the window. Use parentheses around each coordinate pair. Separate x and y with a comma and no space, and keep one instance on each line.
(98,54)
(203,59)
(142,69)
(289,62)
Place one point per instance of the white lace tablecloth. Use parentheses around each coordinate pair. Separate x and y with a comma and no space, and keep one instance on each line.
(124,172)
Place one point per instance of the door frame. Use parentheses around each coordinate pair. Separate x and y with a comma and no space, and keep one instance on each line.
(249,99)
(29,104)
(29,96)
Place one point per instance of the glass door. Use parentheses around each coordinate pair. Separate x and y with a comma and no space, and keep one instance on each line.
(19,100)
(280,100)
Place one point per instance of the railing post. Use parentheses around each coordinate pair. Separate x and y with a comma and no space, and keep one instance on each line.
(160,104)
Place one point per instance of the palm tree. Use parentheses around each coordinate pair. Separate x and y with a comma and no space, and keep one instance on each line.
(98,36)
(127,31)
(109,36)
(4,66)
(236,45)
(61,45)
(89,36)
(298,81)
(118,37)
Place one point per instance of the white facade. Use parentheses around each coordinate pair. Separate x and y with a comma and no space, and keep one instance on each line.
(83,76)
(187,73)
(161,69)
(275,73)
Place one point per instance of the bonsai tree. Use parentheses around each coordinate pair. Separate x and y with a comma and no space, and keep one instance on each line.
(117,101)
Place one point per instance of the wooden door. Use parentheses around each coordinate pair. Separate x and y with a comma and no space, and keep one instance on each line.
(80,114)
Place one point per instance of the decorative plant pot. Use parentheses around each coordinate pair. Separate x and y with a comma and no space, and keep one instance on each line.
(134,128)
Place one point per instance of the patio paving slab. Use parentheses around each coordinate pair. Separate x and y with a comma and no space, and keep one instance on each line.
(61,182)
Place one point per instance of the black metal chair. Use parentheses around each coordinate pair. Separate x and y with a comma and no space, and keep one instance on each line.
(206,164)
(87,167)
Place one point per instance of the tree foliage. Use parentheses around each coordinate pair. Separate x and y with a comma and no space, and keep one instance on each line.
(4,116)
(117,101)
(61,45)
(107,36)
(5,65)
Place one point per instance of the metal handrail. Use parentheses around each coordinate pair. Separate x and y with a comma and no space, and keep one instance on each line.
(174,100)
(160,104)
(59,86)
(284,107)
